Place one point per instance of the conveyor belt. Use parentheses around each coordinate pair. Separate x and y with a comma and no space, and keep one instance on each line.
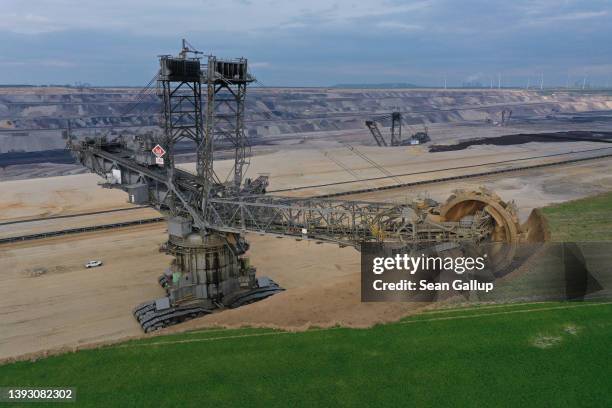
(56,217)
(80,230)
(463,176)
(442,179)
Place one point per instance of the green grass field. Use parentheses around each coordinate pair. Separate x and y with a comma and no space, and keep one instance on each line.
(554,354)
(541,354)
(588,219)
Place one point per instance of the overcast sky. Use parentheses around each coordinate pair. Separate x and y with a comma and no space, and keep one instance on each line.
(311,42)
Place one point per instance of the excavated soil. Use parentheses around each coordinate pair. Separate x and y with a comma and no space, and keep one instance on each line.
(522,138)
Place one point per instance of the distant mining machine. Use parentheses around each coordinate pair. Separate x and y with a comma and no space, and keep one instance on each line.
(208,216)
(416,138)
(505,117)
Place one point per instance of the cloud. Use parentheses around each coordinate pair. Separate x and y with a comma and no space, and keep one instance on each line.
(545,12)
(308,42)
(569,17)
(259,65)
(399,26)
(162,17)
(26,23)
(46,63)
(475,77)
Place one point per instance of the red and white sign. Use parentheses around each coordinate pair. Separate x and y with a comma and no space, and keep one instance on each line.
(158,151)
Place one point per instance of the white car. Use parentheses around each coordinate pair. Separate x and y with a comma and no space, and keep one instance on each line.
(93,264)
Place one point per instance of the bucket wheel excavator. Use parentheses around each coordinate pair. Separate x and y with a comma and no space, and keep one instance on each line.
(208,217)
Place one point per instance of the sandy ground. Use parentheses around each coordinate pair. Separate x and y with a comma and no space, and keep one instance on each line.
(23,199)
(68,305)
(310,166)
(528,189)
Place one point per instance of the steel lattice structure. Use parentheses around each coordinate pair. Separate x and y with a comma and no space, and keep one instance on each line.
(227,82)
(345,222)
(208,216)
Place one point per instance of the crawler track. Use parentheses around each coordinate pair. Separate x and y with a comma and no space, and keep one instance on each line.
(151,317)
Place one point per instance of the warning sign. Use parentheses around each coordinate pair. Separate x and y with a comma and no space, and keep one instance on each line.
(158,151)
